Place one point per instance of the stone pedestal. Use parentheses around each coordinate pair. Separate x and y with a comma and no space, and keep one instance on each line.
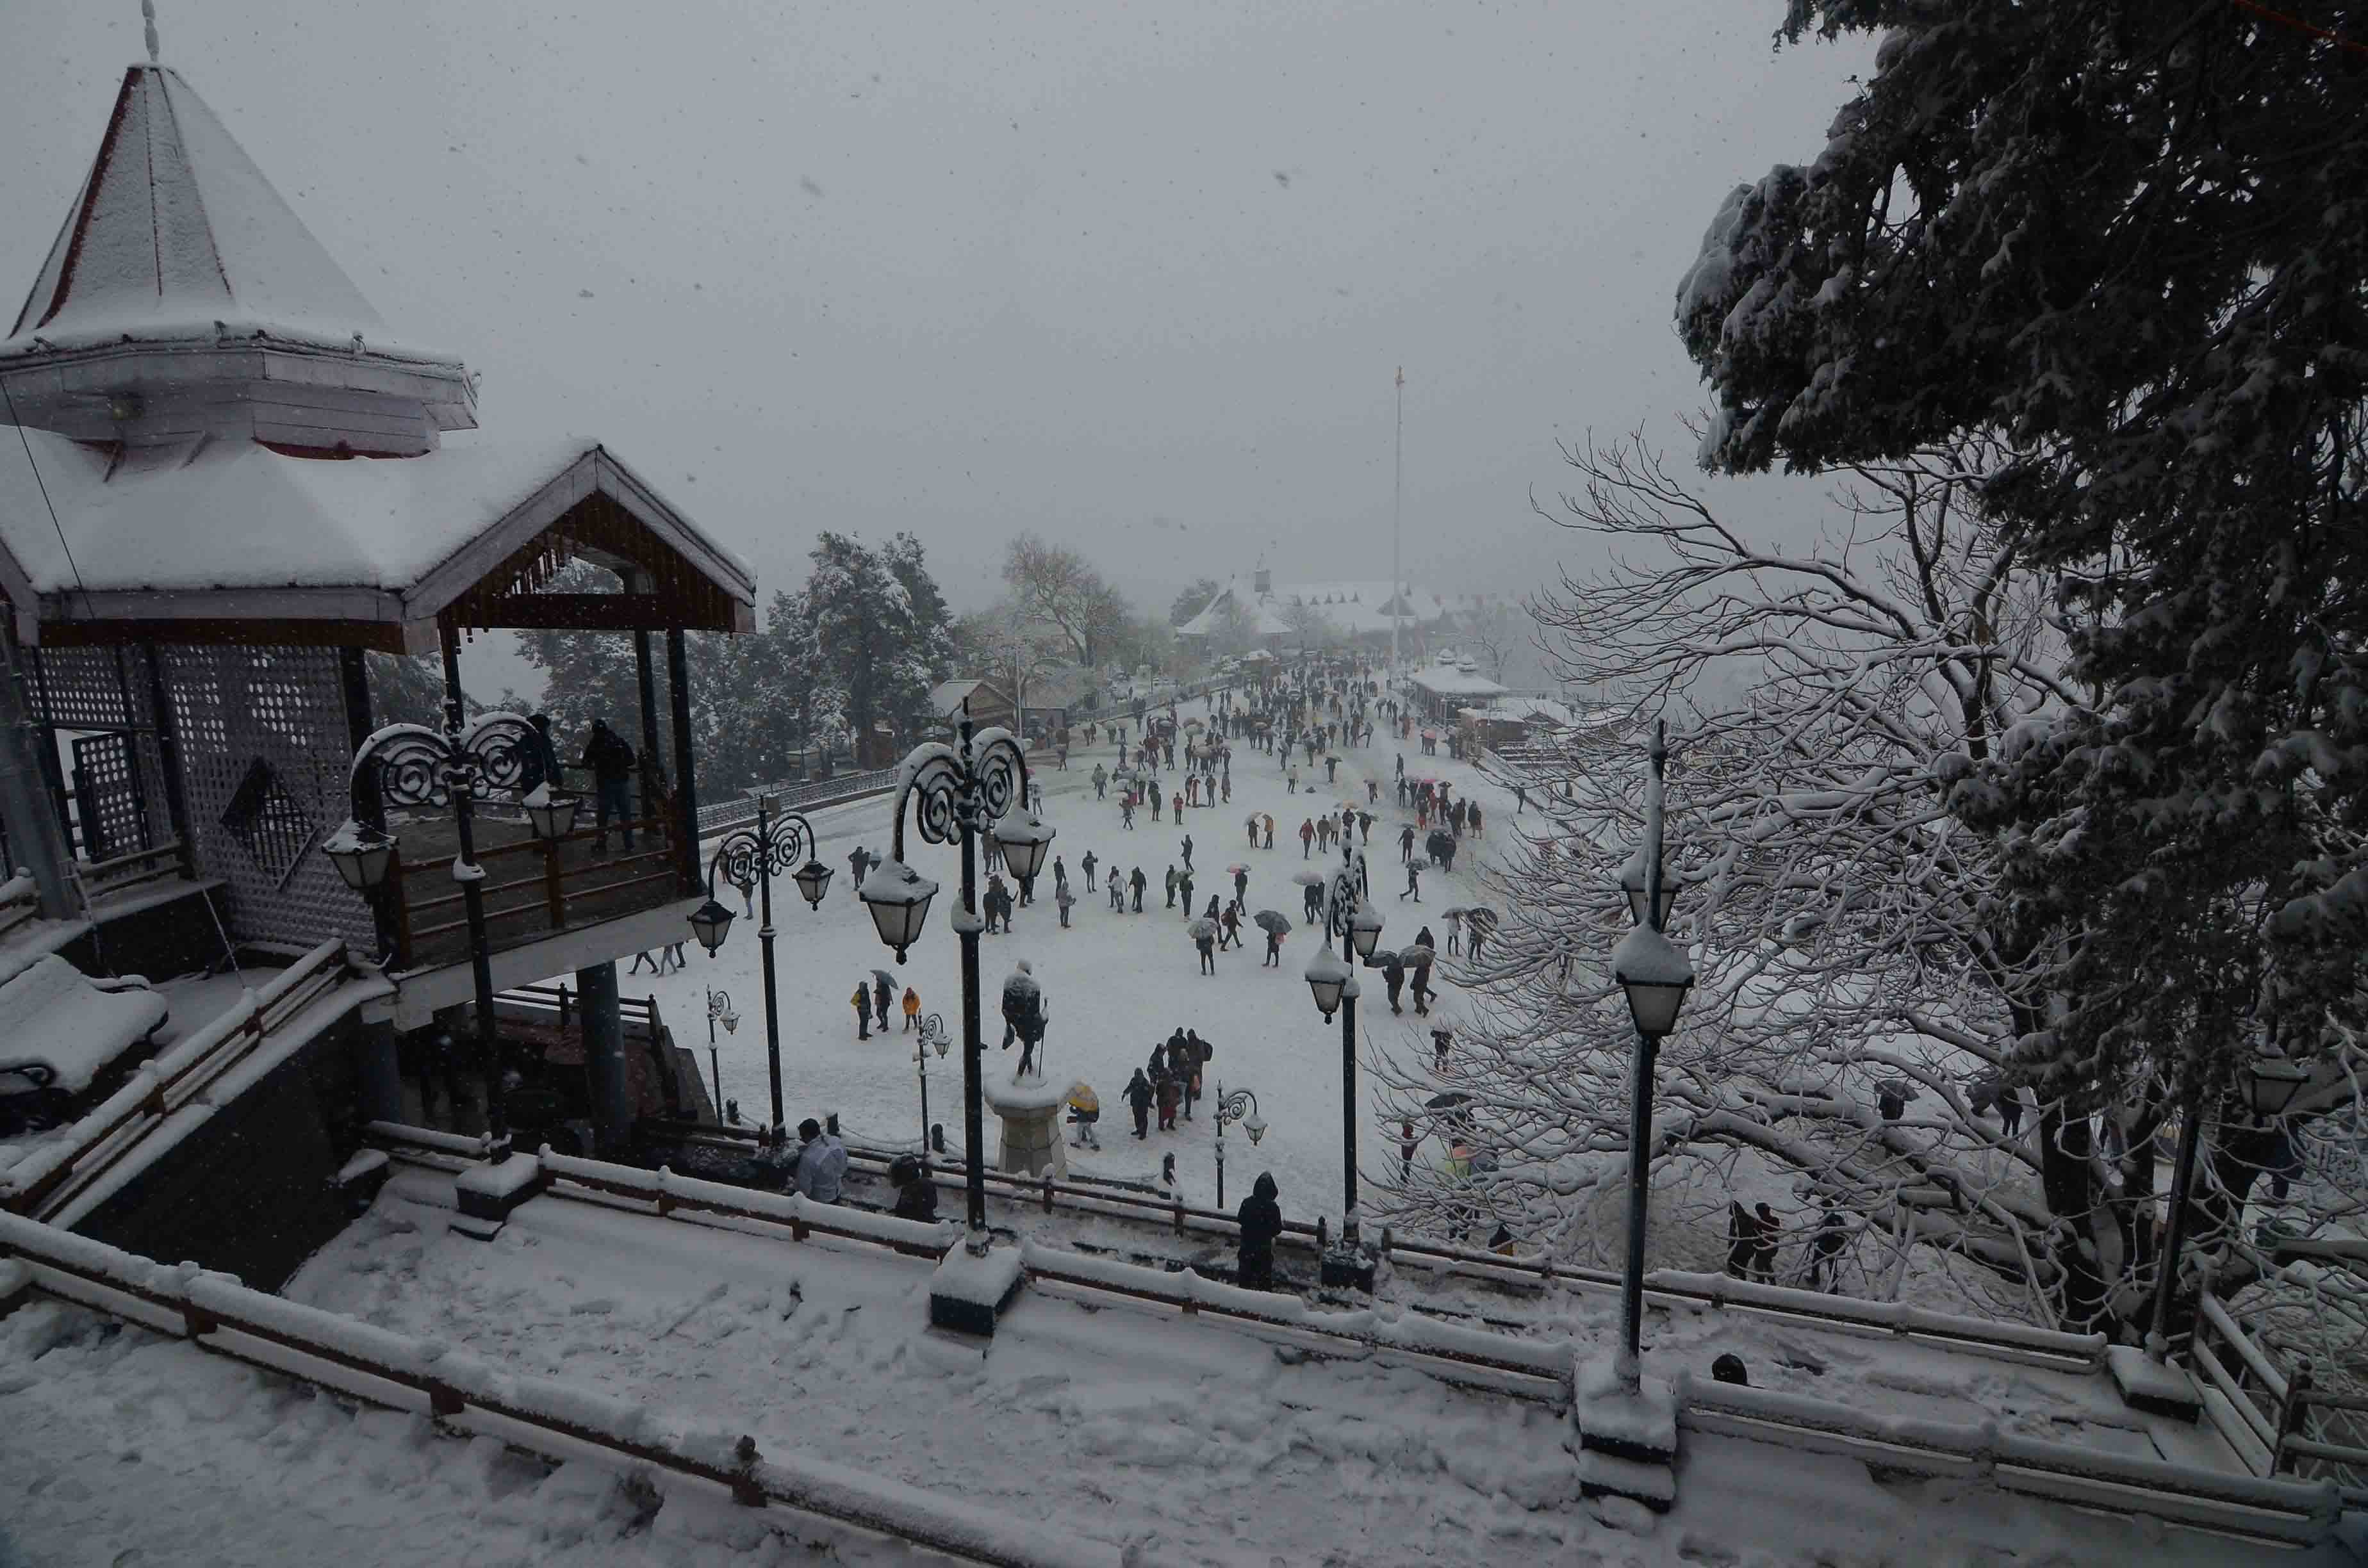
(970,1289)
(487,1194)
(1031,1111)
(1628,1438)
(2157,1389)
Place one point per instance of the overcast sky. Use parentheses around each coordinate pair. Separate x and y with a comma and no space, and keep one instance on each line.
(1135,276)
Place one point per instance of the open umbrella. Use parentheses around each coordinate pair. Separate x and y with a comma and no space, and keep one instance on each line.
(1195,725)
(1271,920)
(883,977)
(1447,1101)
(1201,930)
(1237,870)
(1308,879)
(1416,955)
(1455,911)
(1482,917)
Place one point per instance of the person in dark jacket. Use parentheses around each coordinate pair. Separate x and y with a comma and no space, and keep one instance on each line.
(1394,976)
(916,1195)
(612,762)
(1137,882)
(859,860)
(538,761)
(1139,1098)
(1742,1240)
(882,993)
(1260,1218)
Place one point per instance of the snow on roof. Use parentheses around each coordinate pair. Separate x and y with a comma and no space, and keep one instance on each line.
(1353,607)
(1445,680)
(239,514)
(947,697)
(177,234)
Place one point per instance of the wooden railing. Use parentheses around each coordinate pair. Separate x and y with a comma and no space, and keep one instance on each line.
(134,868)
(464,1392)
(19,900)
(63,1168)
(1999,1341)
(2277,1422)
(530,881)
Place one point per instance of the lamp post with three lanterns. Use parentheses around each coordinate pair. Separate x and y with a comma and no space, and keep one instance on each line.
(1349,917)
(411,765)
(719,1010)
(957,792)
(748,857)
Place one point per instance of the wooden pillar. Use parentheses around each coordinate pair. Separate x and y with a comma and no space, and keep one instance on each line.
(685,796)
(604,1066)
(353,671)
(456,712)
(652,750)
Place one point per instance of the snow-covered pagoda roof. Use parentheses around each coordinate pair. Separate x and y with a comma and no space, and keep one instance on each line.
(217,439)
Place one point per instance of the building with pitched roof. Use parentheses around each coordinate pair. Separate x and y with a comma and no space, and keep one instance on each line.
(227,480)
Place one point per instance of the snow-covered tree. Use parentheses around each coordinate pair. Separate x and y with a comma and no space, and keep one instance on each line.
(2128,239)
(881,626)
(1192,599)
(1859,993)
(1057,589)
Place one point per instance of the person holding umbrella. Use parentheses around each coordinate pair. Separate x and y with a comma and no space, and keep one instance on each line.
(1204,937)
(883,990)
(1392,976)
(1276,926)
(1419,958)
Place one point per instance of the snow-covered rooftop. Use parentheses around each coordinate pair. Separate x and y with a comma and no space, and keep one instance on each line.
(1448,680)
(176,235)
(76,523)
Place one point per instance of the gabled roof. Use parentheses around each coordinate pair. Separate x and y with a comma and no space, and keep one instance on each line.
(367,551)
(177,234)
(947,697)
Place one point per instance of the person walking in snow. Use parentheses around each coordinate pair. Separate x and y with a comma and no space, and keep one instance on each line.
(1140,1097)
(1101,782)
(1259,1219)
(1406,845)
(1138,883)
(1273,950)
(1171,884)
(1117,894)
(1414,883)
(1241,890)
(1307,838)
(882,994)
(1088,865)
(1394,976)
(1188,852)
(862,1000)
(1170,1090)
(1268,843)
(1184,888)
(1229,926)
(1064,901)
(859,860)
(912,1010)
(1206,947)
(1422,991)
(1472,817)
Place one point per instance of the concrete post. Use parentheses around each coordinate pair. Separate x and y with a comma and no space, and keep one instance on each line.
(604,1060)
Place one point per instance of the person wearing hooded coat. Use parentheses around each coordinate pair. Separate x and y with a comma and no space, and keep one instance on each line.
(1139,1094)
(916,1195)
(1394,976)
(1260,1218)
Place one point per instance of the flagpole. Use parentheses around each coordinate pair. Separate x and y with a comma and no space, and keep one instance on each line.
(1397,522)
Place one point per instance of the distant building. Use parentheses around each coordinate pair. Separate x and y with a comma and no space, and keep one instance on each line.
(989,705)
(1361,612)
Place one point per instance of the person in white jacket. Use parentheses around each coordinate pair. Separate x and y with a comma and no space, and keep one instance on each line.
(822,1163)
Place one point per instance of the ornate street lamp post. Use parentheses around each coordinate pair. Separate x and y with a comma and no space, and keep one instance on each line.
(1656,974)
(957,792)
(933,1037)
(411,765)
(750,856)
(1349,917)
(719,1009)
(1240,1105)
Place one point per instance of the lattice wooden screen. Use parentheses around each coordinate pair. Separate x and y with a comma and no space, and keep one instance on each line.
(259,827)
(105,692)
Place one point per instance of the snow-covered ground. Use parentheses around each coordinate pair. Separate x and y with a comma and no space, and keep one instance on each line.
(1210,1445)
(1116,984)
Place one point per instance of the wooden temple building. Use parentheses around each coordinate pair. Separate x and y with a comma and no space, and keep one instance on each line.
(224,482)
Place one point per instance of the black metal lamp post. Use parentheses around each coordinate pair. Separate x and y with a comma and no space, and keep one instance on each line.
(1656,974)
(933,1037)
(1240,1105)
(2271,1083)
(411,765)
(750,856)
(957,792)
(719,1010)
(1349,917)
